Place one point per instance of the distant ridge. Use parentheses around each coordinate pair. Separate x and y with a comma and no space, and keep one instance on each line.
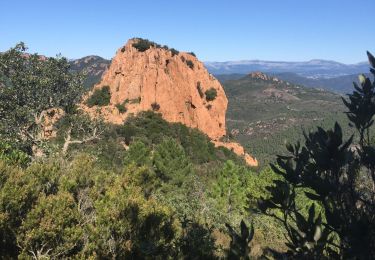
(318,73)
(316,68)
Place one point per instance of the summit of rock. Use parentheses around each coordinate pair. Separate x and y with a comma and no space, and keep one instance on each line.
(262,76)
(146,76)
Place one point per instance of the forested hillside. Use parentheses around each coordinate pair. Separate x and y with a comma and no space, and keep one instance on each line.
(74,186)
(264,113)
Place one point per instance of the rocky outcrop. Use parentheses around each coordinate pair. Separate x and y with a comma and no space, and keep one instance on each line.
(145,76)
(239,150)
(262,76)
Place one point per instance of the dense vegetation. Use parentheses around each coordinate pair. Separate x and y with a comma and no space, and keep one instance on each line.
(152,189)
(100,97)
(102,190)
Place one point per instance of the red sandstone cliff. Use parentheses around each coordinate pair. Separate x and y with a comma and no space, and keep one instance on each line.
(173,84)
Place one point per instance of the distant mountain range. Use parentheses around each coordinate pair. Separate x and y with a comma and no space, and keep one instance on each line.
(310,69)
(340,84)
(92,66)
(329,75)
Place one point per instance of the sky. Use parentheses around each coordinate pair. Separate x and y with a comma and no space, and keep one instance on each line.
(278,30)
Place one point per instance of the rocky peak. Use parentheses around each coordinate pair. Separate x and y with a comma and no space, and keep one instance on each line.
(262,76)
(146,76)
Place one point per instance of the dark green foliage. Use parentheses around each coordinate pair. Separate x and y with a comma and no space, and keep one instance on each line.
(143,45)
(138,154)
(192,54)
(196,241)
(119,191)
(32,86)
(230,189)
(339,173)
(151,127)
(12,155)
(361,107)
(171,162)
(121,108)
(211,94)
(155,106)
(239,247)
(100,97)
(174,52)
(76,210)
(190,64)
(62,236)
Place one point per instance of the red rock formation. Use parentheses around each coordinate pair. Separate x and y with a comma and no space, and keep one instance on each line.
(239,150)
(173,84)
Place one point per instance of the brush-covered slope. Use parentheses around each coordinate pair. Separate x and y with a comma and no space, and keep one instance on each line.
(265,112)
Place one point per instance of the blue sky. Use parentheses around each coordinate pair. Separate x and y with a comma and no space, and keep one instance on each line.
(288,30)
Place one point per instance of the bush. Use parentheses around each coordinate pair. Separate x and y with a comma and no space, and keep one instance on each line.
(12,155)
(174,52)
(155,106)
(211,94)
(192,54)
(190,64)
(121,108)
(100,97)
(143,45)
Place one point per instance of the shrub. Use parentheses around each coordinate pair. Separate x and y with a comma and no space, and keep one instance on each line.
(190,64)
(12,155)
(155,106)
(211,94)
(143,45)
(100,97)
(174,52)
(121,108)
(192,54)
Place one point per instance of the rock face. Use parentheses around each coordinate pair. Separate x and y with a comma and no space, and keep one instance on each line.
(239,150)
(172,83)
